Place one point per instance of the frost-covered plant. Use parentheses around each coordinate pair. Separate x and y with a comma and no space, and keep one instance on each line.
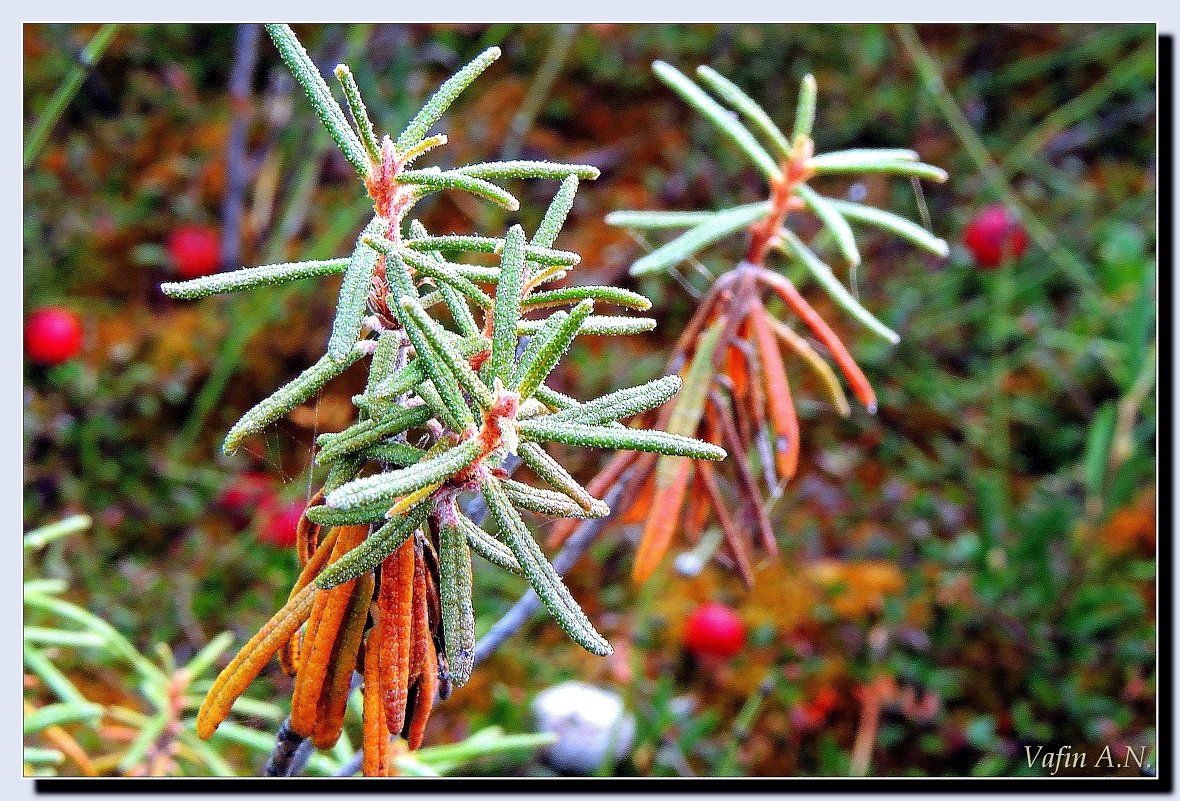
(385,587)
(736,387)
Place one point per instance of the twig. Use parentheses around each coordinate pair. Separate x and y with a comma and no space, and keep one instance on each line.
(237,173)
(287,743)
(66,91)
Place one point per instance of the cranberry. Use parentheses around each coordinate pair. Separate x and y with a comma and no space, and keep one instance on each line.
(195,250)
(995,235)
(244,493)
(279,522)
(53,335)
(714,630)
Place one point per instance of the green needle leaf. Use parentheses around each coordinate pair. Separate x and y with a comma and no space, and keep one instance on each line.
(374,550)
(488,244)
(252,278)
(433,180)
(623,403)
(833,220)
(458,616)
(286,398)
(805,108)
(559,209)
(550,503)
(893,223)
(326,108)
(544,170)
(441,272)
(659,220)
(745,105)
(555,475)
(429,348)
(394,484)
(360,115)
(488,546)
(597,325)
(869,161)
(615,438)
(540,574)
(572,294)
(507,312)
(459,367)
(354,292)
(442,99)
(716,114)
(547,356)
(721,225)
(828,280)
(368,432)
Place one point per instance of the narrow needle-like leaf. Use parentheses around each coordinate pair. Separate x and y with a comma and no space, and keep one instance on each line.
(360,115)
(572,294)
(458,616)
(354,292)
(442,99)
(252,278)
(559,209)
(828,280)
(623,403)
(624,439)
(719,226)
(805,108)
(726,121)
(326,108)
(433,180)
(552,350)
(374,550)
(488,546)
(307,384)
(393,484)
(598,325)
(529,169)
(541,575)
(893,223)
(745,105)
(507,311)
(833,220)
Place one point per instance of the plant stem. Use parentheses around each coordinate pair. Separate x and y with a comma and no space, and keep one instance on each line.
(65,92)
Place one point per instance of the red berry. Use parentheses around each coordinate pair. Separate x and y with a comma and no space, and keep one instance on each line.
(195,250)
(714,630)
(53,335)
(995,235)
(244,493)
(279,522)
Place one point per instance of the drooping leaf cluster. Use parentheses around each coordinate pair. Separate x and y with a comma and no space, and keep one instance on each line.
(459,355)
(736,387)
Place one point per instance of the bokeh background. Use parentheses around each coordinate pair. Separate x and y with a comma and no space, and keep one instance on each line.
(969,572)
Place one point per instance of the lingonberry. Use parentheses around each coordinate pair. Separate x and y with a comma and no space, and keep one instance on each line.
(995,235)
(279,521)
(714,630)
(195,250)
(244,493)
(53,335)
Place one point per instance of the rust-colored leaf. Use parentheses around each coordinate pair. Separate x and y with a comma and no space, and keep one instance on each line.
(661,521)
(337,683)
(778,394)
(244,667)
(319,640)
(393,628)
